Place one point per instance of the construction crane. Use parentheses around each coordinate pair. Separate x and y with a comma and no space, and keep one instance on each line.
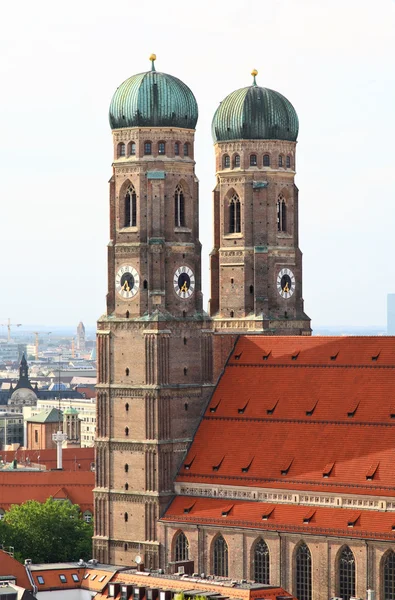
(37,333)
(8,324)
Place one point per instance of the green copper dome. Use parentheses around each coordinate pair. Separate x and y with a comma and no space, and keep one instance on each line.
(255,113)
(153,99)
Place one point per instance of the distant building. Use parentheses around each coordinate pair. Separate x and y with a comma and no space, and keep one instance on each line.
(11,429)
(81,337)
(10,352)
(391,314)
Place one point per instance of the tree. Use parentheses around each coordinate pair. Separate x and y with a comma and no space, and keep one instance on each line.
(49,532)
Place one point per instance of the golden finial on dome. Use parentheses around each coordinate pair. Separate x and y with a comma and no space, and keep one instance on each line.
(254,73)
(153,59)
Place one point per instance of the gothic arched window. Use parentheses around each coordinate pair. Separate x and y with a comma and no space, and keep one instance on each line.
(261,562)
(181,547)
(236,161)
(147,148)
(303,573)
(130,208)
(226,161)
(177,148)
(281,213)
(253,160)
(266,160)
(280,160)
(186,149)
(346,571)
(288,163)
(220,557)
(132,148)
(389,576)
(179,207)
(161,147)
(121,149)
(234,214)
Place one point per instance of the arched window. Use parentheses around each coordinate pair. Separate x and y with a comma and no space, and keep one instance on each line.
(281,214)
(121,149)
(126,486)
(177,148)
(161,147)
(126,468)
(126,517)
(261,563)
(132,148)
(280,160)
(181,547)
(288,163)
(266,160)
(220,557)
(130,208)
(126,431)
(346,570)
(179,207)
(186,149)
(234,214)
(253,160)
(226,161)
(303,573)
(389,576)
(147,148)
(236,161)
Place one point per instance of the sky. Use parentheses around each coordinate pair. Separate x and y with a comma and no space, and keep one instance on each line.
(60,65)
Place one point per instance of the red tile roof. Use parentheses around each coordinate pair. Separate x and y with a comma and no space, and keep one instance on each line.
(10,566)
(283,517)
(80,459)
(17,487)
(315,406)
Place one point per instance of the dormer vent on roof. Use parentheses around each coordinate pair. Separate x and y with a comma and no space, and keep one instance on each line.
(353,519)
(242,409)
(217,464)
(375,357)
(371,472)
(266,355)
(334,355)
(353,409)
(238,356)
(307,518)
(188,465)
(286,466)
(328,469)
(267,513)
(311,410)
(295,355)
(226,510)
(187,509)
(214,408)
(247,466)
(271,410)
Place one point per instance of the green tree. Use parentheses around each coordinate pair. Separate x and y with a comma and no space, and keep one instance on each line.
(50,532)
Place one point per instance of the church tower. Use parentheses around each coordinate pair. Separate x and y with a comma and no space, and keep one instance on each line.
(256,263)
(154,343)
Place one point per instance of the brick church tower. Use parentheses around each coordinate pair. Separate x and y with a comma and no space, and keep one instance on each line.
(256,263)
(154,342)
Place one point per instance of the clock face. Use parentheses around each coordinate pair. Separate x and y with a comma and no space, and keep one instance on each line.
(285,283)
(127,282)
(184,282)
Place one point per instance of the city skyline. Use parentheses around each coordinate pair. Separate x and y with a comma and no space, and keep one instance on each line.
(333,62)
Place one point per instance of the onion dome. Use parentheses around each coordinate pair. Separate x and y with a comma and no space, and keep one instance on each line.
(153,99)
(255,113)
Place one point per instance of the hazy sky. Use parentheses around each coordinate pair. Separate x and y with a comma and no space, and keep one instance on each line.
(62,61)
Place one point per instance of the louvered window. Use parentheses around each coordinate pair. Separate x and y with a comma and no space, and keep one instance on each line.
(281,213)
(234,215)
(179,207)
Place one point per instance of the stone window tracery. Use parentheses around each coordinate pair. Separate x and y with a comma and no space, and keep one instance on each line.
(181,547)
(346,570)
(234,214)
(179,207)
(261,562)
(303,573)
(220,557)
(281,213)
(389,576)
(130,219)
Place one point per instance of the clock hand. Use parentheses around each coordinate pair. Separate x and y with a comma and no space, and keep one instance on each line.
(286,288)
(184,287)
(126,286)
